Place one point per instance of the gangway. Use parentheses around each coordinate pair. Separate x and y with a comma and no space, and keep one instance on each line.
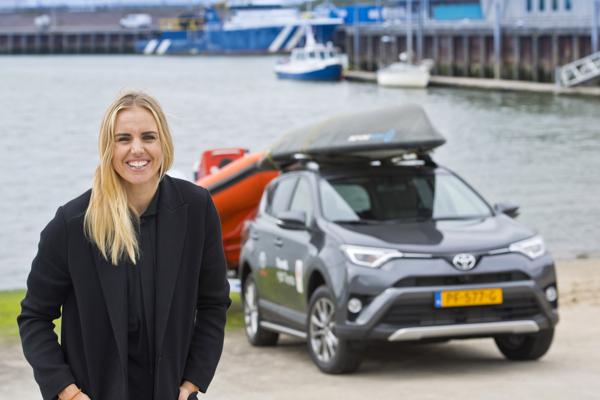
(579,71)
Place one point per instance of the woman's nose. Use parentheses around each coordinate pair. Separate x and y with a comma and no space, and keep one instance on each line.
(137,147)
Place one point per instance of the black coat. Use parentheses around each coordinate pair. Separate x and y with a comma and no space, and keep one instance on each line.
(192,297)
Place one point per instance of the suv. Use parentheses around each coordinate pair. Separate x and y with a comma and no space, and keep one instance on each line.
(403,251)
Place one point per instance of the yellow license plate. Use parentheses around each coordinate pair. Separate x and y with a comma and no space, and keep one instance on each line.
(466,298)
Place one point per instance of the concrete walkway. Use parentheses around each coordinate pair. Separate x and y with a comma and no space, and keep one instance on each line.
(488,84)
(469,369)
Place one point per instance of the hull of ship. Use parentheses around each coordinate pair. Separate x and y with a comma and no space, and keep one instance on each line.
(328,73)
(265,40)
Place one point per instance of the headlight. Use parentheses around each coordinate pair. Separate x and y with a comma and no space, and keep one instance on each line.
(372,257)
(533,247)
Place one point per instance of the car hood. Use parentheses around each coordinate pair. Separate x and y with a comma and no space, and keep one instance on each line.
(436,237)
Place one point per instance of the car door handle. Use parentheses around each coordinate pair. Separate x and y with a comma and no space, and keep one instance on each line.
(278,242)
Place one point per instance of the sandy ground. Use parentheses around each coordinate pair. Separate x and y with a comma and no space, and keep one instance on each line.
(457,369)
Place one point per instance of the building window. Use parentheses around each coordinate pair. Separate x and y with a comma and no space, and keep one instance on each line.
(554,5)
(568,4)
(529,5)
(542,5)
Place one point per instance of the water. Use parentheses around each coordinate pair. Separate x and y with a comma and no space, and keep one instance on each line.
(538,151)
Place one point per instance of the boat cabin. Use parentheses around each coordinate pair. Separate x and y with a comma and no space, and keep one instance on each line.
(317,53)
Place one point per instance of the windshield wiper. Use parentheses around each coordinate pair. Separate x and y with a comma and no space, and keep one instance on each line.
(419,218)
(463,218)
(356,221)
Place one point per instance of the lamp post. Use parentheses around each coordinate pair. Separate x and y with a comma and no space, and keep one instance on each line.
(420,31)
(356,39)
(497,39)
(409,34)
(595,10)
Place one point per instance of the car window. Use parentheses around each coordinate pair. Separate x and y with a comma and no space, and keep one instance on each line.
(451,199)
(355,195)
(334,207)
(302,200)
(280,199)
(404,197)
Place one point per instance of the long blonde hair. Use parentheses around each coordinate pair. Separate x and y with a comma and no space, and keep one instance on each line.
(109,220)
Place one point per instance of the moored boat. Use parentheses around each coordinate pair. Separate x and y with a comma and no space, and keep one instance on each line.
(404,74)
(314,61)
(244,29)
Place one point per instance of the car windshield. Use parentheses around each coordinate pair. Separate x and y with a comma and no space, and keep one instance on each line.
(400,198)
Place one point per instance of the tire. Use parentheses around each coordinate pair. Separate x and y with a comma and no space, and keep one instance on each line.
(257,335)
(525,347)
(331,354)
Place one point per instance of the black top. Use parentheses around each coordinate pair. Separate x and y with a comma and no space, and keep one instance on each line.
(140,299)
(70,278)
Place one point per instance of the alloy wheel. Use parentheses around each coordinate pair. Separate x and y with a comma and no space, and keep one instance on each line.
(323,340)
(250,310)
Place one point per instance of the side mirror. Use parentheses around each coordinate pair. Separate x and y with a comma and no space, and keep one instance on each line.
(292,219)
(510,209)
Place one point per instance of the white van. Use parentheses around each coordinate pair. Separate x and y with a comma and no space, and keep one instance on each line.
(136,21)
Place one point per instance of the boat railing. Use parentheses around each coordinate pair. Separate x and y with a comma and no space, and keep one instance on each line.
(180,24)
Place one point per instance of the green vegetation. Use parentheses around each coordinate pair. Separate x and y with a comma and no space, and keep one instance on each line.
(10,306)
(235,314)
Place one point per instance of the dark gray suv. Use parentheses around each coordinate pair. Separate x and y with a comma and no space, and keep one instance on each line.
(403,251)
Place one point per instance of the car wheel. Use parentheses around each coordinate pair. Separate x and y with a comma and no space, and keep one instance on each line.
(257,335)
(330,353)
(525,347)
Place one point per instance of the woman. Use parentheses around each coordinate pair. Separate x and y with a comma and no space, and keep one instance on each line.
(136,265)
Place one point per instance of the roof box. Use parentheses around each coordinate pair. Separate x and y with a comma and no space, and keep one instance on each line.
(377,134)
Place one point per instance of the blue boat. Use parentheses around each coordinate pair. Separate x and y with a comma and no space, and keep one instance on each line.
(243,30)
(314,61)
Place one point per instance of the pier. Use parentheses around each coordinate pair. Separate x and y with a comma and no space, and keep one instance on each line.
(71,42)
(528,54)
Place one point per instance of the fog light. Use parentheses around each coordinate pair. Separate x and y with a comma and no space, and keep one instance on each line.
(551,294)
(354,305)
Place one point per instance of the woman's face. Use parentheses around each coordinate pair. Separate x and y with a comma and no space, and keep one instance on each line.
(137,151)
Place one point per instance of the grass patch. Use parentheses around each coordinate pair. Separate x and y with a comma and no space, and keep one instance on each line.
(10,307)
(235,314)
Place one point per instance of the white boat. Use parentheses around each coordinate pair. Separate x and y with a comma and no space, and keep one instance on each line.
(405,74)
(314,61)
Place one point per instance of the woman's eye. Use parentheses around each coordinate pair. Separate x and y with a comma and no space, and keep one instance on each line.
(122,139)
(150,138)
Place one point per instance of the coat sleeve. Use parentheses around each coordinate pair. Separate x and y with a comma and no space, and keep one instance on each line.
(48,285)
(211,307)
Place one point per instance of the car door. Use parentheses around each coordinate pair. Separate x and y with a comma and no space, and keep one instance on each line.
(296,248)
(268,241)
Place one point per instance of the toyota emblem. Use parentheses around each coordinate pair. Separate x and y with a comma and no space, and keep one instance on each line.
(464,261)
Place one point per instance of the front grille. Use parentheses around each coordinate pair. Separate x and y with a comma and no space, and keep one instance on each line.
(463,279)
(425,314)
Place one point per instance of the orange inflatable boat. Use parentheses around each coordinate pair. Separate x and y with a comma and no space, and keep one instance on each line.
(236,190)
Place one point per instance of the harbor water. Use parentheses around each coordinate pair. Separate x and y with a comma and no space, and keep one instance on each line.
(539,151)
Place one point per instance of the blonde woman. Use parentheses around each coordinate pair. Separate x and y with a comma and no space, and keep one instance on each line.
(135,266)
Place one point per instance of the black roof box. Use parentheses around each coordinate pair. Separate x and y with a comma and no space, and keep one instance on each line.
(375,134)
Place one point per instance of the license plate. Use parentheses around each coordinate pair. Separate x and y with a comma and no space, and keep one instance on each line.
(466,298)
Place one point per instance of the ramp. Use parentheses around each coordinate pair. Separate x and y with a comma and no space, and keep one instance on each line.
(579,71)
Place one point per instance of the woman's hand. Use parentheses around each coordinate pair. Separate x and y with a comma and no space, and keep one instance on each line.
(186,389)
(72,392)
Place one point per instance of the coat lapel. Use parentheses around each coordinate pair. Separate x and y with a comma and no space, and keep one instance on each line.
(113,280)
(171,229)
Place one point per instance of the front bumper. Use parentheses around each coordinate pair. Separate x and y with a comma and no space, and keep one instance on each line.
(408,313)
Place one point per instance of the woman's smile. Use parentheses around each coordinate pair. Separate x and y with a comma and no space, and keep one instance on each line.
(138,165)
